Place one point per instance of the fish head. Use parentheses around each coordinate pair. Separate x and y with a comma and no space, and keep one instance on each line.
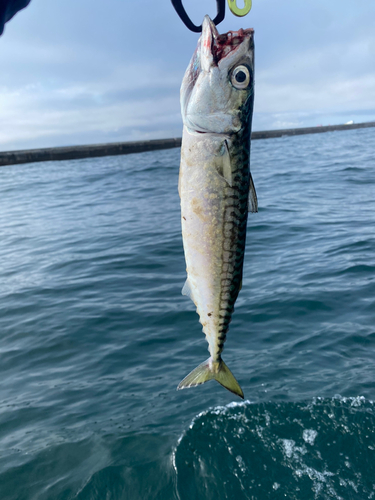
(217,91)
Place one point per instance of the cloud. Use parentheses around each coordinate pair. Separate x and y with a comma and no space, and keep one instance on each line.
(70,115)
(85,72)
(77,99)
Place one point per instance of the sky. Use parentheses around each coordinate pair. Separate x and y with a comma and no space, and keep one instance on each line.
(92,71)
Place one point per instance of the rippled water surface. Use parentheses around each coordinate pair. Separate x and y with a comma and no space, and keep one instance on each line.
(95,334)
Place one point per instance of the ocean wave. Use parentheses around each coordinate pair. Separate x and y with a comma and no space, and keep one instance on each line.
(322,449)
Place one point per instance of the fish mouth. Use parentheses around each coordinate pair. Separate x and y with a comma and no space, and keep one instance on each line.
(220,46)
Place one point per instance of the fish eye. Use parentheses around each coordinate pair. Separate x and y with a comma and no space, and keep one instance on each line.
(240,77)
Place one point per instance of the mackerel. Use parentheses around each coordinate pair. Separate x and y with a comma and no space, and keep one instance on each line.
(215,185)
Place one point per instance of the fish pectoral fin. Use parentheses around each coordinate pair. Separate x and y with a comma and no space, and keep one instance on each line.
(223,166)
(186,289)
(210,370)
(253,199)
(227,168)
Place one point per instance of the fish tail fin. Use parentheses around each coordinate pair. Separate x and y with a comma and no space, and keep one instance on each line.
(210,370)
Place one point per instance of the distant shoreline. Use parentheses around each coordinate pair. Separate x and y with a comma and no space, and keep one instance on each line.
(123,148)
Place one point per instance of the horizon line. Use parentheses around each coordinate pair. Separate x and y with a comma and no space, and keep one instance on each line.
(122,148)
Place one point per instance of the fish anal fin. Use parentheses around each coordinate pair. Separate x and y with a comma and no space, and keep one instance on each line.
(253,199)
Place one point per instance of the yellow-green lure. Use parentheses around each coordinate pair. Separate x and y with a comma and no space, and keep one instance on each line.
(236,10)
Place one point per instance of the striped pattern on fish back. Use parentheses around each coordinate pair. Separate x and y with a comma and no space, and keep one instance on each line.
(234,233)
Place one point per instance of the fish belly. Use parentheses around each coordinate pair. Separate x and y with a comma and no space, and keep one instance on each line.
(213,217)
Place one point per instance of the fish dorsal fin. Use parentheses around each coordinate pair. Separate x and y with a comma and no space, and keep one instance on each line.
(186,289)
(253,199)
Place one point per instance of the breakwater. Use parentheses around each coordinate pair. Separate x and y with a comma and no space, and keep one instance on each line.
(123,148)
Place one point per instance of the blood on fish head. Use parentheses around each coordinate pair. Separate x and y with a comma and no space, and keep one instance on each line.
(218,83)
(215,47)
(228,42)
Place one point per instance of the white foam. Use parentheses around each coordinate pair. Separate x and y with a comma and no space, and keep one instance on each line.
(288,445)
(309,436)
(241,463)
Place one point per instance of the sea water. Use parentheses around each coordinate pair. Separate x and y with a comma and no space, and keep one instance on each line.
(95,334)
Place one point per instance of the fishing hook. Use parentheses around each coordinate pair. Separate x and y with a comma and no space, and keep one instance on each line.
(236,10)
(177,4)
